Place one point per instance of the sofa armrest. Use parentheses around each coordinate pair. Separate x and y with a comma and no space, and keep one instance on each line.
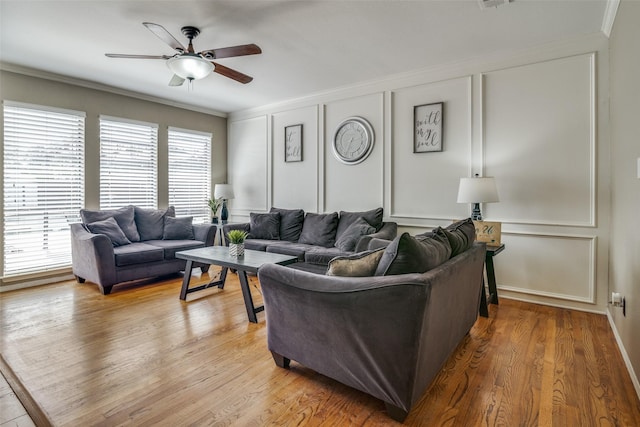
(389,231)
(92,257)
(226,228)
(205,233)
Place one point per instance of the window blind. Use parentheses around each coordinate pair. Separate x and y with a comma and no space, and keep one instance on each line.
(128,163)
(43,186)
(189,173)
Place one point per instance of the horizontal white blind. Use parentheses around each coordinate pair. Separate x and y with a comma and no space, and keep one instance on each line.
(189,173)
(128,163)
(43,186)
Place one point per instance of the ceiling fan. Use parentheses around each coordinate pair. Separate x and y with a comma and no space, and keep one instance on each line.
(186,64)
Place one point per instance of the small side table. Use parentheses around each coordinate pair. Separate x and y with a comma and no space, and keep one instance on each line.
(491,277)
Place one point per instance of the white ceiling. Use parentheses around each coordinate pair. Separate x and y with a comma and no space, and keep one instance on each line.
(308,46)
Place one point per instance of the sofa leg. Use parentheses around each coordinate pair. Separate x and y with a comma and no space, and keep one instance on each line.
(396,413)
(280,360)
(80,279)
(106,290)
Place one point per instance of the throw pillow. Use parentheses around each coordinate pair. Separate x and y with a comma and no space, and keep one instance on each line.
(407,254)
(319,229)
(110,228)
(150,222)
(373,217)
(264,226)
(362,264)
(178,228)
(461,235)
(291,221)
(123,216)
(349,238)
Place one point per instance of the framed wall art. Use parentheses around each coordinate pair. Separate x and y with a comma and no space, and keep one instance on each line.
(293,143)
(427,132)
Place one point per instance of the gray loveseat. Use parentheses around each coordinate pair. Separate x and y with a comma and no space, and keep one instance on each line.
(387,333)
(315,239)
(131,243)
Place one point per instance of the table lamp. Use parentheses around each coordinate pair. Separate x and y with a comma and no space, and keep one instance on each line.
(477,190)
(224,192)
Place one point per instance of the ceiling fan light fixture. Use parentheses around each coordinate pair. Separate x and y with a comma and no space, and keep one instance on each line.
(190,66)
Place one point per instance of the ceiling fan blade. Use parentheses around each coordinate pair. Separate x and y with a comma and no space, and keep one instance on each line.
(227,52)
(124,55)
(231,73)
(165,36)
(176,80)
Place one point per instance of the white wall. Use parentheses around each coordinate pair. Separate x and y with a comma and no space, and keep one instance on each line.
(625,201)
(535,119)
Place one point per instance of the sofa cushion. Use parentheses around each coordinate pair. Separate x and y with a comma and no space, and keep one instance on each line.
(319,229)
(170,247)
(291,221)
(408,254)
(257,244)
(150,222)
(461,235)
(123,216)
(290,248)
(362,264)
(137,253)
(264,226)
(110,228)
(349,237)
(178,228)
(373,217)
(320,255)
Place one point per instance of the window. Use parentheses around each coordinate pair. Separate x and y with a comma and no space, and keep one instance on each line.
(189,173)
(43,186)
(128,163)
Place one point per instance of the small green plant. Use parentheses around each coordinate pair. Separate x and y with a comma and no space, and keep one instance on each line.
(214,205)
(237,236)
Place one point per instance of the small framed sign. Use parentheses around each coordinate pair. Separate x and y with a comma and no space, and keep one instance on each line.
(427,132)
(488,232)
(293,143)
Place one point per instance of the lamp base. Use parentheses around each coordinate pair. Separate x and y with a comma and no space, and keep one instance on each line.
(224,213)
(476,215)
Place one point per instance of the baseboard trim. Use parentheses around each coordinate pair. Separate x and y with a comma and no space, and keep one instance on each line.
(38,416)
(625,356)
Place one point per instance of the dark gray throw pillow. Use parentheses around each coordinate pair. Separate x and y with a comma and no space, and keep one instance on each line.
(110,228)
(362,264)
(178,228)
(291,221)
(407,254)
(461,235)
(264,226)
(373,217)
(123,216)
(150,222)
(319,229)
(349,238)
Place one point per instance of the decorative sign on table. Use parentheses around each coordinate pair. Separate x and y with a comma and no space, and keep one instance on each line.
(427,135)
(488,232)
(293,143)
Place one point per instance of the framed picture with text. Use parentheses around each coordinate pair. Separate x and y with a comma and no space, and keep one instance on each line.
(427,131)
(293,143)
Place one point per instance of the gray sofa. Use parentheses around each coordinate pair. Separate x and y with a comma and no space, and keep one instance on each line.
(387,333)
(131,243)
(315,239)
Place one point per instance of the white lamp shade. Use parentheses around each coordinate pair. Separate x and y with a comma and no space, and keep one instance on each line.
(477,190)
(190,66)
(223,191)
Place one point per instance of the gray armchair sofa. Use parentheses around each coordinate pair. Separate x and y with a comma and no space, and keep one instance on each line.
(315,239)
(131,243)
(387,333)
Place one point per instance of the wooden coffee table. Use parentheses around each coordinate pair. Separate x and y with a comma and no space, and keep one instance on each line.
(219,255)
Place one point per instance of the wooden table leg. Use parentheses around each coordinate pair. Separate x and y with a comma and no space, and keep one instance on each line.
(185,280)
(484,309)
(248,300)
(491,277)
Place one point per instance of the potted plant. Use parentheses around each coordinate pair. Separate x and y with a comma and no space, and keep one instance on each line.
(236,242)
(214,205)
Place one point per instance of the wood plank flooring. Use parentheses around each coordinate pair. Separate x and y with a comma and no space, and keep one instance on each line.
(140,356)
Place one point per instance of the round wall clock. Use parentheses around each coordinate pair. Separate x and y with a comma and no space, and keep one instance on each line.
(353,140)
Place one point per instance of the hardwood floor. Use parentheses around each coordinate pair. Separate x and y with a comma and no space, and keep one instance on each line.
(140,356)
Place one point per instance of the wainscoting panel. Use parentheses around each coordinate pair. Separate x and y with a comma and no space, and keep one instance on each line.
(248,160)
(557,266)
(354,187)
(539,141)
(425,185)
(295,184)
